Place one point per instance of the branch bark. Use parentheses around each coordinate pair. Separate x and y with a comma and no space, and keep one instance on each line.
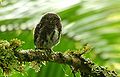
(75,60)
(11,58)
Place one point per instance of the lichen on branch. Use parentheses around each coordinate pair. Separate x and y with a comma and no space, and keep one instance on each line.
(8,60)
(11,57)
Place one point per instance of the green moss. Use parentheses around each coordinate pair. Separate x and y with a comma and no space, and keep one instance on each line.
(8,61)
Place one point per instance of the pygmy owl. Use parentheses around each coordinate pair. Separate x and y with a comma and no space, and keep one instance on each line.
(47,32)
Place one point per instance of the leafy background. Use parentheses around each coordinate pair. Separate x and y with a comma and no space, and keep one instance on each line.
(96,22)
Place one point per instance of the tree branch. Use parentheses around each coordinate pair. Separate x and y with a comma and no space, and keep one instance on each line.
(10,56)
(78,63)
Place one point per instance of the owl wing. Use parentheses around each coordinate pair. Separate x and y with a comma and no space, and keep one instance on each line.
(59,30)
(36,33)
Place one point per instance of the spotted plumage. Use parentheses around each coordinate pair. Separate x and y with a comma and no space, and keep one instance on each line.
(47,32)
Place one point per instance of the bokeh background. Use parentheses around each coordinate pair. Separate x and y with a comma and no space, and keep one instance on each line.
(96,22)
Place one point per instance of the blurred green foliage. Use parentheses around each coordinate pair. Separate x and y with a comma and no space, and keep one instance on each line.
(96,22)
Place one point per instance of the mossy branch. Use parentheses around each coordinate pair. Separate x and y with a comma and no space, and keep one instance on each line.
(11,57)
